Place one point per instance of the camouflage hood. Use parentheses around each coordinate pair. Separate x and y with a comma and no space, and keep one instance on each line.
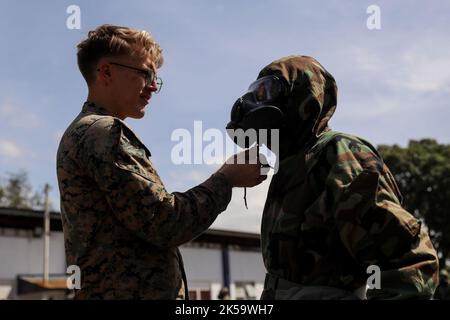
(311,100)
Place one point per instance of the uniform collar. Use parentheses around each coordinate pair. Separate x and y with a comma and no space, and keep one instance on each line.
(90,107)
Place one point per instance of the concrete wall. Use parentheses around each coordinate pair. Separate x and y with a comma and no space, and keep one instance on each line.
(23,255)
(204,271)
(247,275)
(203,266)
(246,266)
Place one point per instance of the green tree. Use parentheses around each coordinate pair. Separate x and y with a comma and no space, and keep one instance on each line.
(17,192)
(422,170)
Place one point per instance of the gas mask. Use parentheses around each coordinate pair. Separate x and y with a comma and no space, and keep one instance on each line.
(258,109)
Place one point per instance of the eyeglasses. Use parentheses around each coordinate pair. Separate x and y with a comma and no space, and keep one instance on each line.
(149,75)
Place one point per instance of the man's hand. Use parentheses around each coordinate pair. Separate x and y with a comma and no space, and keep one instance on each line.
(244,169)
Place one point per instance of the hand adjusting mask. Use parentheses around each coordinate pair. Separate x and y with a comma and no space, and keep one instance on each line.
(259,107)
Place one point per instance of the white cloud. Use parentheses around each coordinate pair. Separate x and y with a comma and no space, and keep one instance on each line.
(181,181)
(428,73)
(376,82)
(19,117)
(365,60)
(195,176)
(9,149)
(371,107)
(421,66)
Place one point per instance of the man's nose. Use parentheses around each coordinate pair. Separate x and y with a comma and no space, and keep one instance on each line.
(152,87)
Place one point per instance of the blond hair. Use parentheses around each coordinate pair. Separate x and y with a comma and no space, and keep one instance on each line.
(110,40)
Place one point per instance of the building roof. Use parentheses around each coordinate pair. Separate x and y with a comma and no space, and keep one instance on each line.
(33,219)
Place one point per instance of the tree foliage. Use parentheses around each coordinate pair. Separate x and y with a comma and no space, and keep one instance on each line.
(16,192)
(422,171)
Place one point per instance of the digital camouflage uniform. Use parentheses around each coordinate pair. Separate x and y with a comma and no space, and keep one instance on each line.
(333,208)
(121,226)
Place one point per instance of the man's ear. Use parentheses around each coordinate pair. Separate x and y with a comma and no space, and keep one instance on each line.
(104,74)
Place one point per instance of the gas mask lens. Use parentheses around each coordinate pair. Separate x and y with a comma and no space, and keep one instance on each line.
(266,89)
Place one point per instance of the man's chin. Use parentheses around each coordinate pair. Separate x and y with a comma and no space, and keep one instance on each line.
(138,114)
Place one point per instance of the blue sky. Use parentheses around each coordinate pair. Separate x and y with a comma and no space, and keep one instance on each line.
(394,83)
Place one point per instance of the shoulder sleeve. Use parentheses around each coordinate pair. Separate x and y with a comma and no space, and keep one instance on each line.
(372,224)
(119,166)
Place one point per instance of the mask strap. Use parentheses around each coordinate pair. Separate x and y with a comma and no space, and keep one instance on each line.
(245,197)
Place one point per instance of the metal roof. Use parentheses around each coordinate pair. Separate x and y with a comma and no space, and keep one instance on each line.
(32,219)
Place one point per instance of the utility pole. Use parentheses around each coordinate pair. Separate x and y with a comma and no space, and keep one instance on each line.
(46,233)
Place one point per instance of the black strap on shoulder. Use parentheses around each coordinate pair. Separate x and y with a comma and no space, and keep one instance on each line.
(183,274)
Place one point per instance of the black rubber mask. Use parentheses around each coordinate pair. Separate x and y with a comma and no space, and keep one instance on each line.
(258,108)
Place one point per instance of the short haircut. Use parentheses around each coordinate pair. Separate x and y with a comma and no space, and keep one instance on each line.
(110,40)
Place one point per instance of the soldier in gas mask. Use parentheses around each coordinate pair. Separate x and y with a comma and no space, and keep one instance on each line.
(333,208)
